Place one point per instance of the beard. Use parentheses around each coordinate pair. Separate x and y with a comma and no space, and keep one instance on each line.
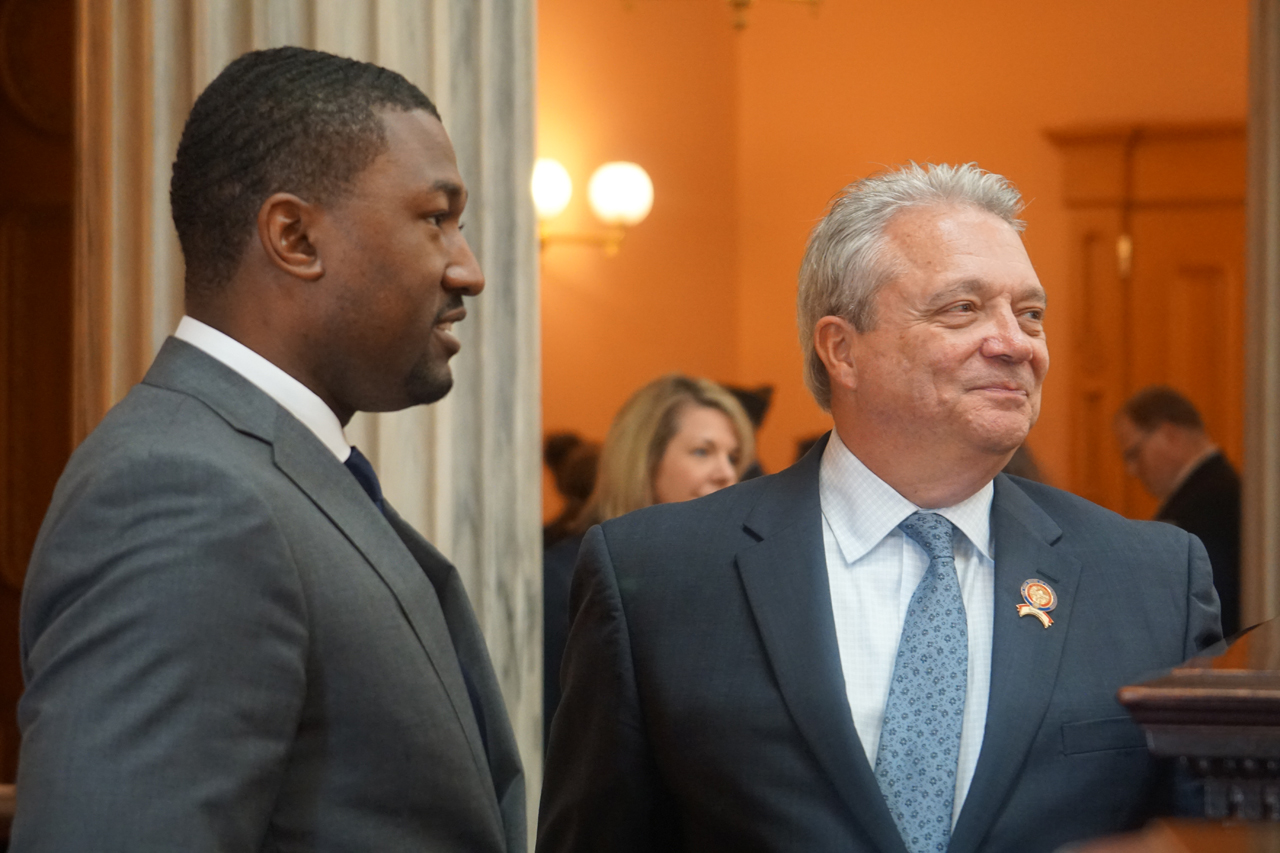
(428,382)
(432,378)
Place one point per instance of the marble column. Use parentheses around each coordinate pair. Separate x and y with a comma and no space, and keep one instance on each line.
(1261,542)
(465,471)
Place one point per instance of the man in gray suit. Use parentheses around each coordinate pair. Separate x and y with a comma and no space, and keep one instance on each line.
(890,646)
(231,642)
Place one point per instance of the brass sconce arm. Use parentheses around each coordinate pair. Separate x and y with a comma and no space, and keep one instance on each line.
(610,239)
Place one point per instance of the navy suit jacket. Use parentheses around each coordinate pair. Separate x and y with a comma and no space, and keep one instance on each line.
(704,702)
(1207,505)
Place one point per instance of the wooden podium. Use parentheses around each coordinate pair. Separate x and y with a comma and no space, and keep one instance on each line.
(1218,715)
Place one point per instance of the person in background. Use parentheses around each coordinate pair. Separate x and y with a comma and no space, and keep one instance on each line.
(1164,444)
(572,461)
(755,402)
(1023,464)
(676,439)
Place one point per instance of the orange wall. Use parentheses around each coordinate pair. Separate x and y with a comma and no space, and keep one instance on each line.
(655,85)
(747,136)
(829,98)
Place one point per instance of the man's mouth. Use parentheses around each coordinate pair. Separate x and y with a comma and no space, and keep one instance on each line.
(444,327)
(1002,389)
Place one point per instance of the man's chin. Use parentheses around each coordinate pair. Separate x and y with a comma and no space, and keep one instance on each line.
(428,387)
(1002,435)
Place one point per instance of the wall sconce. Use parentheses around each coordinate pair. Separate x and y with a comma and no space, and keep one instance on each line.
(621,195)
(740,8)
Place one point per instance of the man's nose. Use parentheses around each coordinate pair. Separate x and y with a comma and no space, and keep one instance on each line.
(1007,339)
(462,272)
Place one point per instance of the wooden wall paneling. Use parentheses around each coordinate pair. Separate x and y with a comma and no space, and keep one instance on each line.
(37,287)
(1157,231)
(1093,171)
(7,568)
(1099,347)
(92,332)
(1260,596)
(1188,281)
(1201,164)
(35,278)
(36,109)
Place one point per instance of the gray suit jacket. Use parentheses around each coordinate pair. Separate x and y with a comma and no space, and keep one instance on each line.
(704,703)
(228,648)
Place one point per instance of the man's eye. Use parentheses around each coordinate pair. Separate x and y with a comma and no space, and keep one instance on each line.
(963,308)
(437,219)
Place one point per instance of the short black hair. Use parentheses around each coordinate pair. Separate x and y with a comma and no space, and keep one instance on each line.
(286,119)
(1160,404)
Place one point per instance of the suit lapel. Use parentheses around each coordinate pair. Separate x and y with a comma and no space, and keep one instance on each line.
(785,577)
(1024,657)
(503,759)
(310,465)
(301,457)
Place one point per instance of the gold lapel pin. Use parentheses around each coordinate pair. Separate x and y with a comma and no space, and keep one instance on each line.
(1040,599)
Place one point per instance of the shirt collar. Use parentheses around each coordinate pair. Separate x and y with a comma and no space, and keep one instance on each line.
(862,509)
(296,398)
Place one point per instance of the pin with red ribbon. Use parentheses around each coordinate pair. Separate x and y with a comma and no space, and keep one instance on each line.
(1040,599)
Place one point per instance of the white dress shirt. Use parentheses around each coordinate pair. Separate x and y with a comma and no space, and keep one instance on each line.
(296,398)
(874,569)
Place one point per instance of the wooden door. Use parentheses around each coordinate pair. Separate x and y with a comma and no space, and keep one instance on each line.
(1156,224)
(36,181)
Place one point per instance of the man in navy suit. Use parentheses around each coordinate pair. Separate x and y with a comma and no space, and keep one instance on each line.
(1165,445)
(889,646)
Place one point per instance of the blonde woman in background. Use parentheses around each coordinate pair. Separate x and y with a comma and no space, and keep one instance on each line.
(676,439)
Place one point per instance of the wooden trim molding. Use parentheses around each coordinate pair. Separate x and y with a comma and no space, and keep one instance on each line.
(91,125)
(1261,500)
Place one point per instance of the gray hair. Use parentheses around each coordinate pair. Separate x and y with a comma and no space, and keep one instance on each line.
(844,266)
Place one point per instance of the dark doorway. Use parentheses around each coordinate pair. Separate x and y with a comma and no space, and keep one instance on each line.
(37,181)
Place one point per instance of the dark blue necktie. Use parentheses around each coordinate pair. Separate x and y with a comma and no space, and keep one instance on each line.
(920,742)
(362,470)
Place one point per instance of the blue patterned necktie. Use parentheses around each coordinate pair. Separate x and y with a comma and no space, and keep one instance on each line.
(920,740)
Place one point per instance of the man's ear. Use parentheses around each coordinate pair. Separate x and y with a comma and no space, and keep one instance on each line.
(834,339)
(285,223)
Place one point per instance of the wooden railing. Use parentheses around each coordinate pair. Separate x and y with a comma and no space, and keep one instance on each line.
(1219,716)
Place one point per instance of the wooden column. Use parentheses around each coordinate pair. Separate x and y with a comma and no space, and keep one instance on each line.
(1261,504)
(466,471)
